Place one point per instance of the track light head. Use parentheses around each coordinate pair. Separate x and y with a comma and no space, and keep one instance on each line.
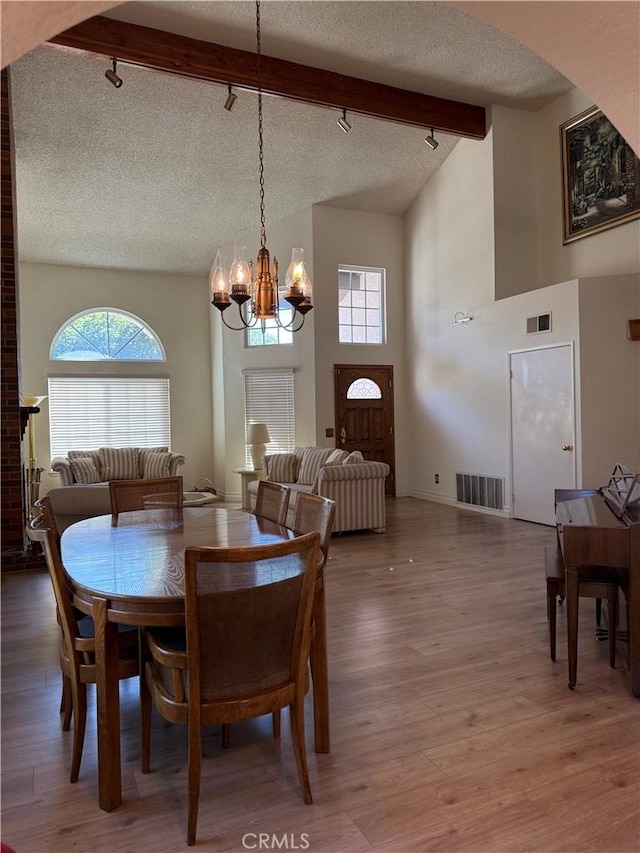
(431,141)
(230,103)
(111,75)
(343,124)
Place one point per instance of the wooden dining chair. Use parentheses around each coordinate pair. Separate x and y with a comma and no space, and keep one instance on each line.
(272,501)
(316,513)
(77,640)
(132,495)
(44,508)
(247,637)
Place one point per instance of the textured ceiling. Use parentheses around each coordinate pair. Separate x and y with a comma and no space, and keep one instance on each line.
(156,174)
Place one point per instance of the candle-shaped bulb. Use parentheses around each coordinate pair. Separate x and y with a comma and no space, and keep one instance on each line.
(239,275)
(218,280)
(295,272)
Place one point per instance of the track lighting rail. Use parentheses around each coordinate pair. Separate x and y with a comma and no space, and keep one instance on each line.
(203,60)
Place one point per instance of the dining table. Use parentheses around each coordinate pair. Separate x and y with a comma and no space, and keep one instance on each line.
(132,573)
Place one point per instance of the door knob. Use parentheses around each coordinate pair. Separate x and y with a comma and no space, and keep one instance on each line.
(567,446)
(343,435)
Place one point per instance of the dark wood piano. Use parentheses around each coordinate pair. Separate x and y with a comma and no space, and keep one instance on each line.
(602,528)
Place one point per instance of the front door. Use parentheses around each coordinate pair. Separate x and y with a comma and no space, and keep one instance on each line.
(542,430)
(364,413)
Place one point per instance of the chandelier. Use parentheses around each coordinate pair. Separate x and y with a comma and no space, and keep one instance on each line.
(261,296)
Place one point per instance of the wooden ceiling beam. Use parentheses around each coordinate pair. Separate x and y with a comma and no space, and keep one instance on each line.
(175,54)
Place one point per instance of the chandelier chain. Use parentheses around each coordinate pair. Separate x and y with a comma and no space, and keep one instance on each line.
(258,295)
(263,233)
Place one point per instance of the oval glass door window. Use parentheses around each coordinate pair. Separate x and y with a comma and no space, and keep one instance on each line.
(364,389)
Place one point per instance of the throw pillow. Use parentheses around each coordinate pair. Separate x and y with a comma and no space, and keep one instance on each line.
(91,454)
(84,469)
(336,456)
(119,463)
(312,459)
(156,465)
(354,458)
(282,467)
(143,452)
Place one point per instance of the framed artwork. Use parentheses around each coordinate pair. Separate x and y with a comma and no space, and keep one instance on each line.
(600,176)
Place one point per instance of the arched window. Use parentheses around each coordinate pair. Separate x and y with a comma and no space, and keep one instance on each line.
(89,408)
(104,334)
(364,389)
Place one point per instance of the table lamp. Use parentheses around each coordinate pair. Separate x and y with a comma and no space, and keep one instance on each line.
(257,438)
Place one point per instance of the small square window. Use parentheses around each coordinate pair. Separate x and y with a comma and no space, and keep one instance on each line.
(268,333)
(361,305)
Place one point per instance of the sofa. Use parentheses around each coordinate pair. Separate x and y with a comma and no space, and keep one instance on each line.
(85,475)
(357,486)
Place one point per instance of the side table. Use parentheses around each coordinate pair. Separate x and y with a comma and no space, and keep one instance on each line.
(247,475)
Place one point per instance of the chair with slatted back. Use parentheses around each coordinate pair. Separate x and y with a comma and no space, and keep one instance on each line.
(44,507)
(48,518)
(245,648)
(132,495)
(315,513)
(77,640)
(272,501)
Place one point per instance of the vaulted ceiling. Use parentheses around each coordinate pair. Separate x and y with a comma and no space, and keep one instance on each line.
(156,174)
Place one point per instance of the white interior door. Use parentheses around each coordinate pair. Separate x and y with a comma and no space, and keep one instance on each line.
(542,430)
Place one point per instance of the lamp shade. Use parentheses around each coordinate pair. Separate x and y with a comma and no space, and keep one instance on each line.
(31,400)
(258,434)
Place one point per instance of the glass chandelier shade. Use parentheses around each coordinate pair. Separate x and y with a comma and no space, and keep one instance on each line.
(238,284)
(262,292)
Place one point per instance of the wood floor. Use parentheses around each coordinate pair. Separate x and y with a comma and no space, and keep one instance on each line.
(451,728)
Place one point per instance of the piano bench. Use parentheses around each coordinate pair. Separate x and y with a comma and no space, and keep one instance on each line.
(597,583)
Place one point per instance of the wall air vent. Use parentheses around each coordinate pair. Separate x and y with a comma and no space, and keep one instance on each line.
(540,323)
(480,490)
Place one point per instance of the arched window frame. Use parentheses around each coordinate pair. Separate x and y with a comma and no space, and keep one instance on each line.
(126,402)
(371,384)
(120,312)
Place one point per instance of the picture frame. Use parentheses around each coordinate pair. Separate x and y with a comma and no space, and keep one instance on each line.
(600,176)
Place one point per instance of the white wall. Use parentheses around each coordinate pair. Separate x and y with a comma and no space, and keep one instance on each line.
(358,239)
(330,237)
(454,373)
(612,252)
(459,245)
(528,206)
(515,201)
(176,309)
(609,376)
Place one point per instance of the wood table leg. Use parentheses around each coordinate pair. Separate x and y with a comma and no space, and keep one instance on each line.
(320,671)
(108,702)
(571,581)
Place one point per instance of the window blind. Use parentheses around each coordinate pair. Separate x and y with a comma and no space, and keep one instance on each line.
(268,399)
(86,413)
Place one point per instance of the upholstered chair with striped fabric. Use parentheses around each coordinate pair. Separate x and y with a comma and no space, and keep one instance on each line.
(357,485)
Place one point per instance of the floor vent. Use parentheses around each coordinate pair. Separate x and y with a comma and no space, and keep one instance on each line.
(478,490)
